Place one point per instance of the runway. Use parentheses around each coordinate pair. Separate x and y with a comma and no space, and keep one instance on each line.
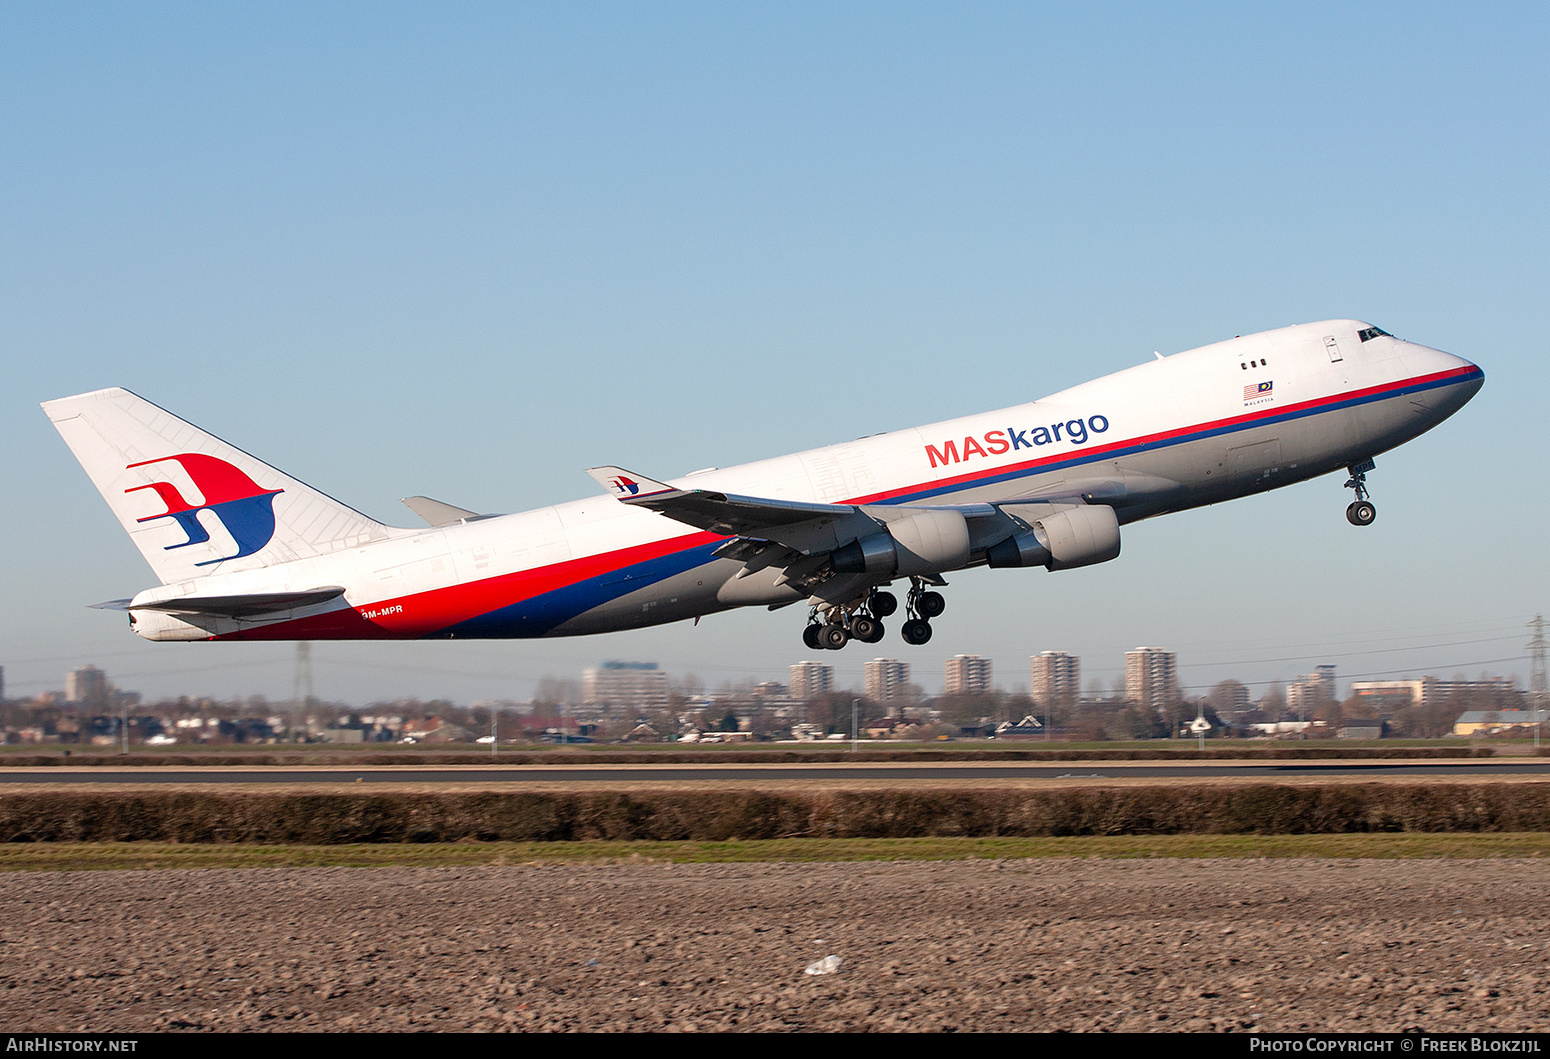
(1474,768)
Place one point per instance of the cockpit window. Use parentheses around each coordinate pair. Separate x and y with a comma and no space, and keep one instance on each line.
(1371,332)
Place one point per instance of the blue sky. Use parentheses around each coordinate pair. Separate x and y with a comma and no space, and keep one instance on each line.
(469,250)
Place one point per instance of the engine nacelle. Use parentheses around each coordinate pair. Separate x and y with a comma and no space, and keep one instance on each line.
(869,555)
(923,543)
(1079,536)
(1023,550)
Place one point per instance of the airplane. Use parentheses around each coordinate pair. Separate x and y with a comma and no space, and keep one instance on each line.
(245,552)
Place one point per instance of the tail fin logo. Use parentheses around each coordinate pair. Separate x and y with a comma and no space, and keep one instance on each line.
(622,484)
(231,496)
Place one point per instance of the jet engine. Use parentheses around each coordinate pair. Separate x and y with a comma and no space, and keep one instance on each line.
(1078,536)
(923,543)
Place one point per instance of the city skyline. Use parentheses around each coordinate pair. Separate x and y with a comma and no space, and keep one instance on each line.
(615,681)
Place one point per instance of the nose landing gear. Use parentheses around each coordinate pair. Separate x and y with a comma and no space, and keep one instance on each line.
(1361,512)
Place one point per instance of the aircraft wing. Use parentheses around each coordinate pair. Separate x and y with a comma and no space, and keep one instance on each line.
(726,513)
(763,519)
(817,547)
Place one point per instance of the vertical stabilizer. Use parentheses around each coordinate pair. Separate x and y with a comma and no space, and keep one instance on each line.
(193,504)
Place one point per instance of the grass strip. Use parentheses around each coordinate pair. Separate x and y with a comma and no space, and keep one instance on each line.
(118,856)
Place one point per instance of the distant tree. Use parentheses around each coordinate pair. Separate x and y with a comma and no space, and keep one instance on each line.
(1358,708)
(831,711)
(1132,722)
(1326,709)
(555,692)
(1273,703)
(684,689)
(967,707)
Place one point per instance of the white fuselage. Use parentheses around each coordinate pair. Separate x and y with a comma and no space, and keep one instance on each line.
(1194,428)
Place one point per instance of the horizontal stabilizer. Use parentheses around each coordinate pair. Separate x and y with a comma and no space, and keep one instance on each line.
(243,606)
(435,513)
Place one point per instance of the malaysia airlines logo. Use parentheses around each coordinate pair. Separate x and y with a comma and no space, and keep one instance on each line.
(231,496)
(622,484)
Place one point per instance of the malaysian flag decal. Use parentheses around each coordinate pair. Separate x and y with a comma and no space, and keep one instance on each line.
(1258,390)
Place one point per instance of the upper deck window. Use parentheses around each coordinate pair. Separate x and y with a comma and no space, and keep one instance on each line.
(1372,332)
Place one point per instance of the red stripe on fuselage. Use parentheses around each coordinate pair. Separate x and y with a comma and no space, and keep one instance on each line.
(425,613)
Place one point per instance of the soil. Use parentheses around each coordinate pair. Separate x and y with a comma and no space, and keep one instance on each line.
(1082,945)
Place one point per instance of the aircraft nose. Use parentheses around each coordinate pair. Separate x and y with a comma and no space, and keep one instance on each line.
(1476,380)
(1470,377)
(1463,378)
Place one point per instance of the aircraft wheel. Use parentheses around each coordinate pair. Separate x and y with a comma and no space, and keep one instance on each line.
(833,637)
(884,603)
(930,605)
(810,637)
(865,629)
(916,632)
(1361,513)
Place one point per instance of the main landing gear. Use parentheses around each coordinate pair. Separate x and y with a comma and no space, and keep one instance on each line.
(1361,512)
(921,605)
(831,628)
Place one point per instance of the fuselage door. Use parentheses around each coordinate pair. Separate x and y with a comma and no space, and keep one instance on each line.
(1334,349)
(1255,466)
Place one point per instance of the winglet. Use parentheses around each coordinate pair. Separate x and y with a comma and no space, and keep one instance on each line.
(628,486)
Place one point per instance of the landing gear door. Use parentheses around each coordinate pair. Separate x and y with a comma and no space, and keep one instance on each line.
(1334,349)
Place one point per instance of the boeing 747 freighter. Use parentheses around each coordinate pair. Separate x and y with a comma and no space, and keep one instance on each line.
(244,552)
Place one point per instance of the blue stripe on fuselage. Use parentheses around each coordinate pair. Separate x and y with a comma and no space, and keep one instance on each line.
(540,614)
